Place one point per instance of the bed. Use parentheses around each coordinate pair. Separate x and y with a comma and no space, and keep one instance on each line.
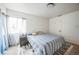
(45,44)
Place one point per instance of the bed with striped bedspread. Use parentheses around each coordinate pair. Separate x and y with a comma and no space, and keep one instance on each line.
(46,44)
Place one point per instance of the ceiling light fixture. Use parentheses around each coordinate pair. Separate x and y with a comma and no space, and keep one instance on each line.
(50,5)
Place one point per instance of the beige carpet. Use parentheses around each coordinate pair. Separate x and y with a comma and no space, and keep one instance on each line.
(11,51)
(14,50)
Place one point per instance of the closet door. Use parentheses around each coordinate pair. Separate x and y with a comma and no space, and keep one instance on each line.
(59,26)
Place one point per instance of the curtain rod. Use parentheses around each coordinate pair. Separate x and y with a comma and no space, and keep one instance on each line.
(3,13)
(16,17)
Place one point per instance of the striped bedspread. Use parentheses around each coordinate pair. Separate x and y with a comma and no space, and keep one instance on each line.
(45,44)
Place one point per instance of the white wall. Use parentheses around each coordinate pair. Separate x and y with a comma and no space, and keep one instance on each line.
(2,8)
(34,23)
(66,26)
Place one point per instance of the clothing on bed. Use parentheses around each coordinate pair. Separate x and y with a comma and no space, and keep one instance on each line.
(45,44)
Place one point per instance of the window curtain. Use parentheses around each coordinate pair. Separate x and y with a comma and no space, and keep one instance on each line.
(16,27)
(3,33)
(13,31)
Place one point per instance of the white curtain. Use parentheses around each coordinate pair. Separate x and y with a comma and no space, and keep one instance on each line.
(16,27)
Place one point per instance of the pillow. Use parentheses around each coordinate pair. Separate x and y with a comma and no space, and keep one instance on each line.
(29,33)
(34,33)
(40,33)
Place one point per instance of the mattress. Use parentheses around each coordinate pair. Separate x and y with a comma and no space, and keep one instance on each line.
(45,44)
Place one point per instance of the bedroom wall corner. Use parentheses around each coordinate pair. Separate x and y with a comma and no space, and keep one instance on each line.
(67,26)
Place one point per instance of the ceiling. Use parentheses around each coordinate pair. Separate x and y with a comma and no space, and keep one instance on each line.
(41,9)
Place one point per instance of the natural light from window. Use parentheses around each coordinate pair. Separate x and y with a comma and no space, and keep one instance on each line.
(16,25)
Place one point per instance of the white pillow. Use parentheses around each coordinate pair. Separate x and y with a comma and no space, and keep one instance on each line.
(34,33)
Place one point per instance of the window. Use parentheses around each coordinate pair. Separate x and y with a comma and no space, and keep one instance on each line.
(16,25)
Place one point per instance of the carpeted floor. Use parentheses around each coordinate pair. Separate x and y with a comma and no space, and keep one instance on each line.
(14,50)
(69,49)
(75,50)
(11,51)
(62,50)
